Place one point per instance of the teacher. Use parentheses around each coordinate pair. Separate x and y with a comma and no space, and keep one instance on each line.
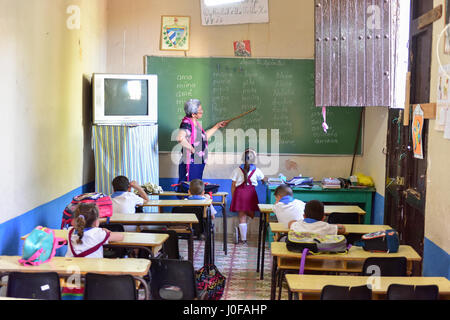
(194,141)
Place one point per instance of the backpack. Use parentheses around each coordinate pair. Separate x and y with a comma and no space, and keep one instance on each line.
(381,241)
(40,246)
(183,187)
(102,201)
(315,243)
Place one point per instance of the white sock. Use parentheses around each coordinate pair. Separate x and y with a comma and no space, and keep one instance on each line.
(243,230)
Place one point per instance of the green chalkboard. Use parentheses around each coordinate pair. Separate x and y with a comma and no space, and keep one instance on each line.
(282,90)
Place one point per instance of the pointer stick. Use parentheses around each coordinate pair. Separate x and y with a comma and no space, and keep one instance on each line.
(241,115)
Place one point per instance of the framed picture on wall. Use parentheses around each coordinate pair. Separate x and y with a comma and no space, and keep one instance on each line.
(447,28)
(175,33)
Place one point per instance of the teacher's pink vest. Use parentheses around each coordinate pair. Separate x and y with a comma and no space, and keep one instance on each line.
(193,135)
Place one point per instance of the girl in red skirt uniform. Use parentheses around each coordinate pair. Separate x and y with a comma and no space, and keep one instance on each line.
(244,198)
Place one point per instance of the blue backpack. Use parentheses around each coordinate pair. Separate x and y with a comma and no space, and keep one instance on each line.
(380,241)
(40,246)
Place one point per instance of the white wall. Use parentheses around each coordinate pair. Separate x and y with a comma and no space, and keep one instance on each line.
(42,97)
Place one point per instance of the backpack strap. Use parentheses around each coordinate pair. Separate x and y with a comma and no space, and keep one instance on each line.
(88,251)
(302,262)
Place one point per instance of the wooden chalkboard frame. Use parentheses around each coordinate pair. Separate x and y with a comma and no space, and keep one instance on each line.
(347,154)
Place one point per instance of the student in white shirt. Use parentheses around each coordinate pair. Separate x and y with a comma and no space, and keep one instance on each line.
(286,208)
(125,201)
(314,221)
(244,197)
(86,239)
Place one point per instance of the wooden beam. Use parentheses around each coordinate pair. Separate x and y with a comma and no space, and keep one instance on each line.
(407,100)
(419,24)
(429,110)
(430,17)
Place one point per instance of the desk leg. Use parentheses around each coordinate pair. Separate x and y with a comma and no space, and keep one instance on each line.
(258,258)
(191,245)
(263,249)
(225,238)
(273,282)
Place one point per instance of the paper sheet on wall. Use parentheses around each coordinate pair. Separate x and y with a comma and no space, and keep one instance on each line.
(441,117)
(247,11)
(447,125)
(417,127)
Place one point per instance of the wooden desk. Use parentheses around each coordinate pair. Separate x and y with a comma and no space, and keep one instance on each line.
(222,203)
(139,219)
(130,240)
(312,285)
(279,228)
(350,262)
(361,197)
(267,209)
(178,203)
(66,267)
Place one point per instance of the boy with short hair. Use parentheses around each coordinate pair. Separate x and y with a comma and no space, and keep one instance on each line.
(314,221)
(286,208)
(125,201)
(197,192)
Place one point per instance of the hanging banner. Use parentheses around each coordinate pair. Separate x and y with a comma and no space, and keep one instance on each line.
(417,127)
(237,12)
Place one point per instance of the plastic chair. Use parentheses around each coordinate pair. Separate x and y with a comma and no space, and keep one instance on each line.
(198,228)
(109,287)
(172,280)
(409,292)
(170,247)
(42,285)
(343,218)
(331,292)
(114,252)
(385,267)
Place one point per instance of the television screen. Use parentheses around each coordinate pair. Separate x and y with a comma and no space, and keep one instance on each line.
(126,97)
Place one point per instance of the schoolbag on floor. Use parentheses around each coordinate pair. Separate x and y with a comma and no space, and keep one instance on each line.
(381,241)
(102,201)
(316,243)
(40,246)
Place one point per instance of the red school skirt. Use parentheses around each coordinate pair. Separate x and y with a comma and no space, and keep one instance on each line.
(245,199)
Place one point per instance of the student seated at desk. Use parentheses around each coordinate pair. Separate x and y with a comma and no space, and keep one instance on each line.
(313,221)
(197,192)
(125,201)
(286,208)
(86,239)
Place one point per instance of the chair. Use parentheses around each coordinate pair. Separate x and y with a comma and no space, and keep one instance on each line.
(343,218)
(331,292)
(42,285)
(114,252)
(170,247)
(409,292)
(172,280)
(109,287)
(198,228)
(385,267)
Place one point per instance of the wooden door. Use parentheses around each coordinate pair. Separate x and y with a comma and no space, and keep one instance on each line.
(406,187)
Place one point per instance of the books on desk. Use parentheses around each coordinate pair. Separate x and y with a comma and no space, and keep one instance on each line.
(275,181)
(331,183)
(300,182)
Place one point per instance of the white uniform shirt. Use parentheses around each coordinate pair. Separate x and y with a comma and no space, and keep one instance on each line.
(314,226)
(125,202)
(238,176)
(91,238)
(288,212)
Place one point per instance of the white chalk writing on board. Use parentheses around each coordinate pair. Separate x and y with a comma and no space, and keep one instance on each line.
(247,11)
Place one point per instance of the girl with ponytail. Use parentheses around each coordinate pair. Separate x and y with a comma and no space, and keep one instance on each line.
(86,239)
(244,197)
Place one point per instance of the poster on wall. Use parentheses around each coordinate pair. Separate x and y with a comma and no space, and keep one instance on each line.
(417,127)
(175,33)
(242,48)
(443,97)
(447,29)
(222,12)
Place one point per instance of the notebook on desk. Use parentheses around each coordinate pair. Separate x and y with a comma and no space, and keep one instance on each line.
(300,182)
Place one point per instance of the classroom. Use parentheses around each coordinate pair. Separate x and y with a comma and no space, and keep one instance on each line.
(52,48)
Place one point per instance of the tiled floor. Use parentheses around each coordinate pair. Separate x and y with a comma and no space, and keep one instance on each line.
(239,268)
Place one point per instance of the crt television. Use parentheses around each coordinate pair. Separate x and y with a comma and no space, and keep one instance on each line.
(124,99)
